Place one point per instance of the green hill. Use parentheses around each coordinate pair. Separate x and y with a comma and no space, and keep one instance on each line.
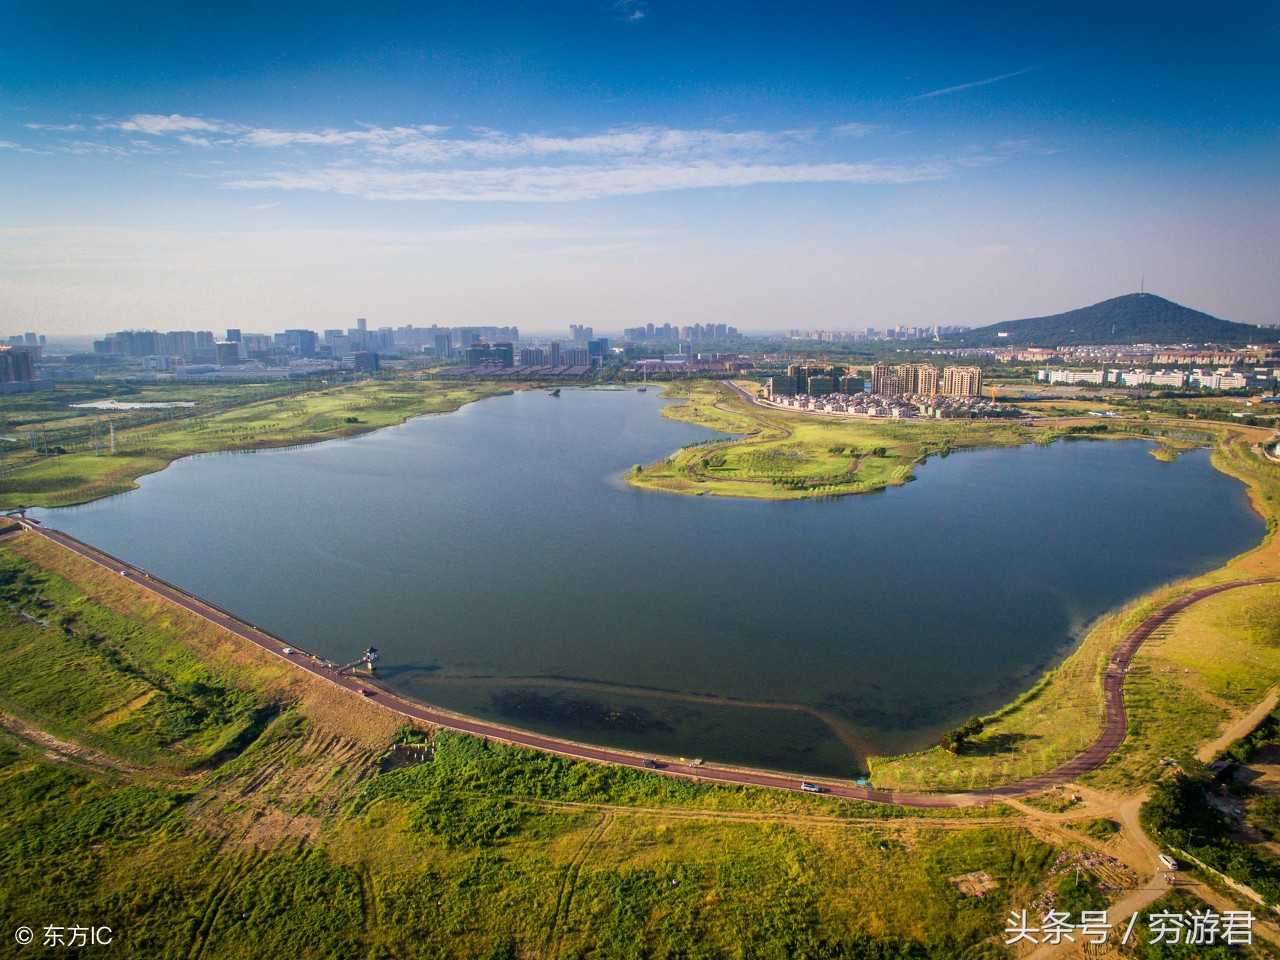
(1133,318)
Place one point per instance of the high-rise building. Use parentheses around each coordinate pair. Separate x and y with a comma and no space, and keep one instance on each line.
(444,346)
(781,386)
(962,381)
(578,332)
(17,364)
(233,335)
(553,354)
(893,385)
(879,373)
(927,379)
(533,357)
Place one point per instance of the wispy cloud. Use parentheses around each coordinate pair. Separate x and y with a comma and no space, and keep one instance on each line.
(630,10)
(432,162)
(976,83)
(578,182)
(155,123)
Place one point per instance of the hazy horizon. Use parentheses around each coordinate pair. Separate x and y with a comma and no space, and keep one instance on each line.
(621,162)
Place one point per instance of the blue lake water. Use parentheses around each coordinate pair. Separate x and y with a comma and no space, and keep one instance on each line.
(503,569)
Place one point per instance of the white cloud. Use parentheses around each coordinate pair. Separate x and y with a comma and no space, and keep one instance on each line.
(630,10)
(433,162)
(156,124)
(577,182)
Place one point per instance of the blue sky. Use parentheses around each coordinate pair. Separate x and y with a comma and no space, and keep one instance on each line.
(766,165)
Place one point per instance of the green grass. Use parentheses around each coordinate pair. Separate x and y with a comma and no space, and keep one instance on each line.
(485,850)
(786,455)
(243,422)
(81,671)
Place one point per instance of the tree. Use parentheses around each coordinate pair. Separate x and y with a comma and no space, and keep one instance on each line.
(953,740)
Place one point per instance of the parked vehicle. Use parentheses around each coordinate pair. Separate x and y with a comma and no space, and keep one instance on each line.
(1168,861)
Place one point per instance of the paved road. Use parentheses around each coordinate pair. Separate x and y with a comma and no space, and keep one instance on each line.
(1113,732)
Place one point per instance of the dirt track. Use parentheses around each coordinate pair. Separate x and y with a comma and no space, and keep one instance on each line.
(1112,735)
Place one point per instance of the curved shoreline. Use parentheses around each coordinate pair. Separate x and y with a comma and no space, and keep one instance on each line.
(1114,730)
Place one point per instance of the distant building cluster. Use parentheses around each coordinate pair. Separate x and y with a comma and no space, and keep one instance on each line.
(17,364)
(896,406)
(667,331)
(689,362)
(556,358)
(908,390)
(871,333)
(907,379)
(812,379)
(1201,379)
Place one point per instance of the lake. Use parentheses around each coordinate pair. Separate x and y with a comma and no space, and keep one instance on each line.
(503,569)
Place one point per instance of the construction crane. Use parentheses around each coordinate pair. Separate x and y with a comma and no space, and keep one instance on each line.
(370,657)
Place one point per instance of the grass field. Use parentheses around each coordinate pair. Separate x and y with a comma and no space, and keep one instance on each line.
(785,456)
(88,471)
(203,799)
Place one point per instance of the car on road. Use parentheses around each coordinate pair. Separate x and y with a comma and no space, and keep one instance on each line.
(288,649)
(649,764)
(808,787)
(363,692)
(1168,861)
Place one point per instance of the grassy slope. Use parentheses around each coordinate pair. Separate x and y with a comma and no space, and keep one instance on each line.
(81,475)
(289,842)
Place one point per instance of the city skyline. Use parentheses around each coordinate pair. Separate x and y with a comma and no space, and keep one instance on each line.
(618,164)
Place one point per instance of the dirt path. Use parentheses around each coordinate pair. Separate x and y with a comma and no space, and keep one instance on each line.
(1112,735)
(1241,728)
(62,749)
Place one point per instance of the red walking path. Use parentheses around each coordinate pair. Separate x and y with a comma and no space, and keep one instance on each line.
(1112,735)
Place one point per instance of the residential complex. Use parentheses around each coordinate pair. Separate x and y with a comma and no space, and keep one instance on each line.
(923,379)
